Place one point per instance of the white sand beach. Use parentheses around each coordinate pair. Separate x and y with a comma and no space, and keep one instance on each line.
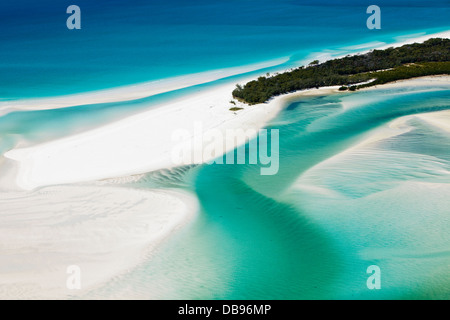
(131,92)
(104,230)
(144,142)
(138,144)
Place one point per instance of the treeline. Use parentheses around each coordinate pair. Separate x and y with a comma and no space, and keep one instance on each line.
(405,62)
(409,71)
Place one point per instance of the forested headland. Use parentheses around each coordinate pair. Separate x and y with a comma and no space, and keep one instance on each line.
(354,72)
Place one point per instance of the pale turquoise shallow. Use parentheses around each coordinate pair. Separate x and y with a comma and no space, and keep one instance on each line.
(312,231)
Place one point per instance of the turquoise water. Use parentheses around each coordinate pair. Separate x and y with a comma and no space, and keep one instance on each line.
(312,231)
(309,232)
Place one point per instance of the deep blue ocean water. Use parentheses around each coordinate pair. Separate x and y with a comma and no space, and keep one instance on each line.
(127,42)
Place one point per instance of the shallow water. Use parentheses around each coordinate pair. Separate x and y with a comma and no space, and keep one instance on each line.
(335,208)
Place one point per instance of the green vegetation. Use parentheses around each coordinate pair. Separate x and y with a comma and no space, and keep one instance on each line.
(236,109)
(409,71)
(378,66)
